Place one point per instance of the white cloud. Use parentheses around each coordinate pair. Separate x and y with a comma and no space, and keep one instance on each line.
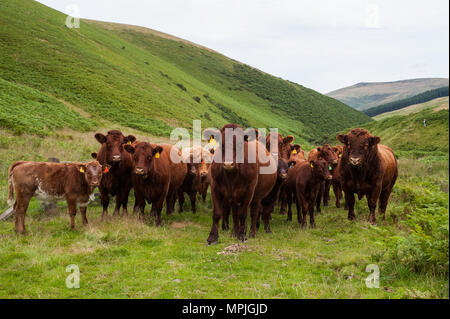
(322,44)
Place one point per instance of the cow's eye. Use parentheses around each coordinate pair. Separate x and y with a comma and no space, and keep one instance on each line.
(149,158)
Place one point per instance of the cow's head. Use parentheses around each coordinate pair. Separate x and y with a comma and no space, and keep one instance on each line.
(283,167)
(284,145)
(230,138)
(144,155)
(338,150)
(326,152)
(359,145)
(296,152)
(321,168)
(112,145)
(92,172)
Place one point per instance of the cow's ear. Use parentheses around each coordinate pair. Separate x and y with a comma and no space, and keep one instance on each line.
(288,139)
(342,138)
(94,155)
(129,148)
(319,149)
(82,168)
(292,164)
(106,168)
(374,140)
(311,164)
(297,147)
(335,149)
(100,138)
(250,134)
(157,150)
(211,135)
(129,139)
(211,150)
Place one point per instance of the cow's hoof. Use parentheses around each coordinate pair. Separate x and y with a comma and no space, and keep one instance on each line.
(325,204)
(268,231)
(303,226)
(289,219)
(212,240)
(282,212)
(312,226)
(338,205)
(252,235)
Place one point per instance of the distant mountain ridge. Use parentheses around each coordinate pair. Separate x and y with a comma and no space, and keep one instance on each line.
(365,95)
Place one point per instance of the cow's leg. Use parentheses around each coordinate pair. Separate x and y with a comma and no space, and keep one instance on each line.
(283,202)
(242,217)
(157,207)
(226,218)
(204,193)
(319,196)
(312,222)
(180,200)
(289,196)
(139,205)
(20,209)
(337,194)
(218,212)
(83,215)
(372,200)
(304,206)
(350,202)
(105,202)
(265,214)
(383,202)
(234,214)
(193,196)
(124,199)
(326,194)
(301,213)
(254,213)
(72,209)
(170,202)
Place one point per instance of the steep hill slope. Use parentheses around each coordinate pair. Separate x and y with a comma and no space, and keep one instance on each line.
(142,79)
(365,95)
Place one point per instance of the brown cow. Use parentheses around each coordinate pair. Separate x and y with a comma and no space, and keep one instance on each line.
(326,152)
(153,176)
(268,203)
(74,182)
(335,182)
(309,177)
(284,145)
(196,180)
(367,168)
(118,181)
(232,184)
(296,155)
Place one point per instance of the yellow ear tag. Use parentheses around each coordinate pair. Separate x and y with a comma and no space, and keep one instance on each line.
(157,155)
(311,164)
(294,151)
(129,142)
(340,155)
(212,141)
(81,169)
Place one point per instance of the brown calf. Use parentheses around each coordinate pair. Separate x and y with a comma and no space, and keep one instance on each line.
(309,177)
(74,182)
(118,181)
(368,169)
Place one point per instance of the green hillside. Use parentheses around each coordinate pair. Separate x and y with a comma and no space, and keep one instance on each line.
(439,103)
(141,79)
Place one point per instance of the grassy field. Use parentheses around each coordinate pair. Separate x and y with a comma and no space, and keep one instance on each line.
(125,258)
(439,103)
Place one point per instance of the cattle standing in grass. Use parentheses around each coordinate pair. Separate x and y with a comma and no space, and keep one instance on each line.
(154,176)
(367,168)
(309,177)
(326,152)
(335,182)
(269,201)
(232,184)
(286,193)
(74,182)
(196,180)
(118,181)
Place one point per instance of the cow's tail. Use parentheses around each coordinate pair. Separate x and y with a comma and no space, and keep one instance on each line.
(11,200)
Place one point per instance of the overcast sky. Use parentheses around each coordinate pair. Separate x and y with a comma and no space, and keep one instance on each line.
(321,44)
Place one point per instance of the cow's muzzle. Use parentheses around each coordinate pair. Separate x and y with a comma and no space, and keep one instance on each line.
(228,166)
(329,177)
(335,162)
(283,176)
(203,175)
(355,161)
(116,158)
(95,183)
(139,171)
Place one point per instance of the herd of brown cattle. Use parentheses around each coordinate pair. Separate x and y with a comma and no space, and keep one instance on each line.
(361,166)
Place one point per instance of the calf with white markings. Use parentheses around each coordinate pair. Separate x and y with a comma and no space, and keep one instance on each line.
(74,182)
